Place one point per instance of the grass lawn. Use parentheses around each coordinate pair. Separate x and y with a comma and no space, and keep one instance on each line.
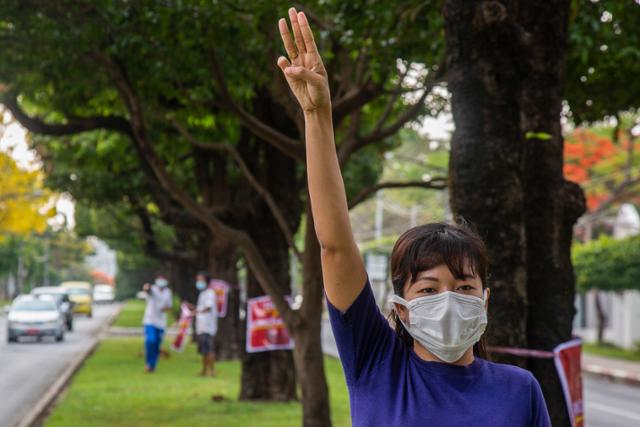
(112,390)
(131,314)
(608,350)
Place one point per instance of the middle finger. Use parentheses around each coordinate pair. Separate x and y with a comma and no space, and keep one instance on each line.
(293,17)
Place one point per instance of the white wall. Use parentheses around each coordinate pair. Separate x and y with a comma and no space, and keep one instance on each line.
(623,318)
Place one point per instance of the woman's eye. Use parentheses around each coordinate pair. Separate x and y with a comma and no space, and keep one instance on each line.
(426,291)
(465,288)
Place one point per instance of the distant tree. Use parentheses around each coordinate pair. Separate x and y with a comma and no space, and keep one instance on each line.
(23,200)
(607,264)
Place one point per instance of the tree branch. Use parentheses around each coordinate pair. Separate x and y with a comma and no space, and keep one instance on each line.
(251,252)
(72,126)
(392,100)
(288,146)
(617,194)
(152,248)
(437,183)
(261,190)
(354,99)
(352,145)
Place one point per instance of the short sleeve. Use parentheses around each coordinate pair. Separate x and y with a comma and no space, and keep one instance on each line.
(363,336)
(540,414)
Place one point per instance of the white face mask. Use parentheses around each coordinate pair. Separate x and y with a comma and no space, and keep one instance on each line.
(162,283)
(446,324)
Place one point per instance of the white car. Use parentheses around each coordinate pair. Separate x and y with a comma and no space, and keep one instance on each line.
(35,316)
(103,294)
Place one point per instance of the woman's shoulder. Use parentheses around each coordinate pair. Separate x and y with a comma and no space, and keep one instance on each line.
(511,373)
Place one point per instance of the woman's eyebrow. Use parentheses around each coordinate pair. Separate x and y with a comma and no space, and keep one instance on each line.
(429,278)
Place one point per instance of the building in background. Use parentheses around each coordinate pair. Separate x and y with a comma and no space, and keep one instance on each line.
(103,262)
(622,309)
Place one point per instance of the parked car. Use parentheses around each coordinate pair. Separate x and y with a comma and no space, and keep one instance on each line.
(34,316)
(61,295)
(103,294)
(80,294)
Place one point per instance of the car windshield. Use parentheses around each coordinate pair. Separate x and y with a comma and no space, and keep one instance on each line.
(34,305)
(48,291)
(54,296)
(78,291)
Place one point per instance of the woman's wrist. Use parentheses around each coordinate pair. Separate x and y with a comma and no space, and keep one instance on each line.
(318,113)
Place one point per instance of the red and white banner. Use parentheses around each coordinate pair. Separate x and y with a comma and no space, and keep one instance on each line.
(183,328)
(265,328)
(221,288)
(567,360)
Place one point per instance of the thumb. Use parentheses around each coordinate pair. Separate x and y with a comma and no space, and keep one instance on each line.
(304,74)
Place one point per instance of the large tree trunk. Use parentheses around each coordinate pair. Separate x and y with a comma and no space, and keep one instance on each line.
(551,205)
(269,375)
(485,67)
(223,258)
(308,351)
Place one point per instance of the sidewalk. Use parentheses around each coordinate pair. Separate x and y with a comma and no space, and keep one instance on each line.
(612,369)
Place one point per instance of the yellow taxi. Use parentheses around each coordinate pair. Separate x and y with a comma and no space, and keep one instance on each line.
(81,296)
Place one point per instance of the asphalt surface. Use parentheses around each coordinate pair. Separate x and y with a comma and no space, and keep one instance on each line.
(29,368)
(607,404)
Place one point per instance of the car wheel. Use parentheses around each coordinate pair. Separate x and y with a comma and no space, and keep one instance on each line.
(70,325)
(60,337)
(11,338)
(90,315)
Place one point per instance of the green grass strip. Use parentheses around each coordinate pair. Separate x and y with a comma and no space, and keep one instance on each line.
(608,350)
(112,390)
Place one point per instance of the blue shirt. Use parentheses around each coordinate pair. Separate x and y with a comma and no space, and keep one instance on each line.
(390,386)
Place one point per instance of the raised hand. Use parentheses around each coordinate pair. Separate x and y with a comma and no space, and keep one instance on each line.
(304,70)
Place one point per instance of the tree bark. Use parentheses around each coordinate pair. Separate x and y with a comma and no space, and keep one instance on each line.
(271,375)
(223,258)
(308,337)
(551,206)
(486,64)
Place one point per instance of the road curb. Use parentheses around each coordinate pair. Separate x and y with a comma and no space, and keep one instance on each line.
(41,409)
(612,374)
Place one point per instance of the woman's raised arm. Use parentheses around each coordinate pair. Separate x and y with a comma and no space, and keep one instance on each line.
(343,270)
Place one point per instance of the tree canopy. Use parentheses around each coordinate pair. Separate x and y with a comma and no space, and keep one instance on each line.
(608,264)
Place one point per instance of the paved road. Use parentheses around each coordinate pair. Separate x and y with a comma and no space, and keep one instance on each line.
(607,404)
(610,404)
(27,369)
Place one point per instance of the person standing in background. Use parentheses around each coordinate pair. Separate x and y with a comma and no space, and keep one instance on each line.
(159,301)
(206,312)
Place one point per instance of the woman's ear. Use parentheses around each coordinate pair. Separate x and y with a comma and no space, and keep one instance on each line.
(402,312)
(487,294)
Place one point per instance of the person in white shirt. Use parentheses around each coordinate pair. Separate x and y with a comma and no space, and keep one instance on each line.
(206,312)
(159,301)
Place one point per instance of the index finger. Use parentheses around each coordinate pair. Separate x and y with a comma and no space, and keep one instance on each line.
(307,34)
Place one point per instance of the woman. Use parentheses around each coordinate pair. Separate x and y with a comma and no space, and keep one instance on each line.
(425,373)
